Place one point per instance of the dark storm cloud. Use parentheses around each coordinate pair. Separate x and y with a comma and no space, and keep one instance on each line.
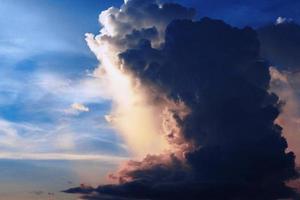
(218,72)
(146,9)
(281,45)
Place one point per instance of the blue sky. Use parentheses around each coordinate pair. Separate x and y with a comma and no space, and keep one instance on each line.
(45,65)
(49,104)
(245,12)
(44,71)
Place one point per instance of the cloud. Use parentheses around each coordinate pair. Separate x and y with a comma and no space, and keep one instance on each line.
(204,96)
(87,89)
(77,108)
(245,13)
(282,84)
(9,136)
(281,46)
(37,87)
(282,20)
(220,98)
(80,107)
(123,28)
(43,142)
(80,136)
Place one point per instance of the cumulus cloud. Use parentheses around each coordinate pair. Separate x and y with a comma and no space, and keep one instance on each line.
(134,108)
(205,97)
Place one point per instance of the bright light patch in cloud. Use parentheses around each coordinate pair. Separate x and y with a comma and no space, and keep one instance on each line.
(285,85)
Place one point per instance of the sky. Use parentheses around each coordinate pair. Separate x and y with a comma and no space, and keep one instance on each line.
(47,108)
(253,13)
(52,107)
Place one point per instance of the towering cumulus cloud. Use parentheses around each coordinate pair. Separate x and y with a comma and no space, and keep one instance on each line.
(138,110)
(192,98)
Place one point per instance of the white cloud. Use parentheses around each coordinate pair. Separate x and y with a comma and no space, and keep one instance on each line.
(86,90)
(76,108)
(8,134)
(55,141)
(282,20)
(80,107)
